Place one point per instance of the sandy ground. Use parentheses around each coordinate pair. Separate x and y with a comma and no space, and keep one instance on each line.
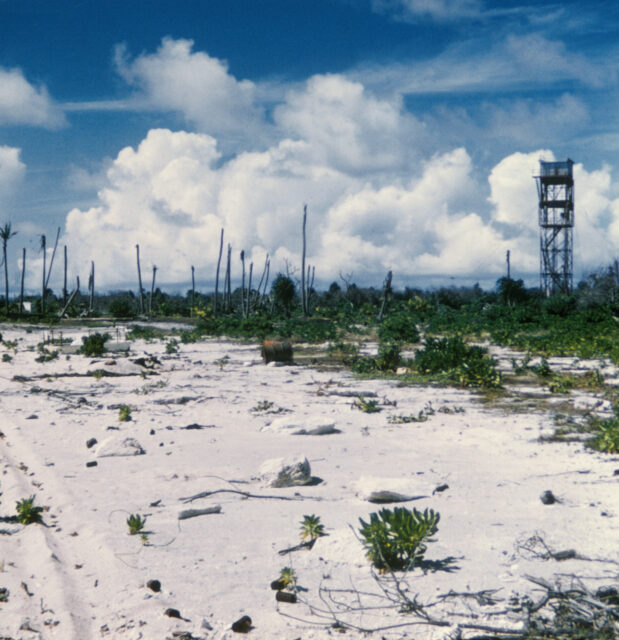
(83,576)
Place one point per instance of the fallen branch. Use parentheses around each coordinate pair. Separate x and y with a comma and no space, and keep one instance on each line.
(245,494)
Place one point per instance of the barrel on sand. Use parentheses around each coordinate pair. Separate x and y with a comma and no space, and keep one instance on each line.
(276,351)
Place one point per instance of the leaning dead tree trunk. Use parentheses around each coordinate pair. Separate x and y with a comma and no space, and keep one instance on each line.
(264,273)
(303,292)
(21,286)
(152,289)
(141,293)
(68,302)
(221,248)
(386,294)
(51,262)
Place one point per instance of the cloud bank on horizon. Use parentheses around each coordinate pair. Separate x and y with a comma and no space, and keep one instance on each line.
(387,187)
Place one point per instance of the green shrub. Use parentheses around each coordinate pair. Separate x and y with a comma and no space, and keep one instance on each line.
(388,358)
(606,439)
(399,327)
(395,540)
(94,344)
(139,332)
(122,308)
(27,512)
(467,366)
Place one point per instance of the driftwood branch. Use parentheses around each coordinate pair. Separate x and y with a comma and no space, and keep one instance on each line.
(245,494)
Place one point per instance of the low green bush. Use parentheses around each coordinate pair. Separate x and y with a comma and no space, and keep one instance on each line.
(399,327)
(465,365)
(606,438)
(94,344)
(396,540)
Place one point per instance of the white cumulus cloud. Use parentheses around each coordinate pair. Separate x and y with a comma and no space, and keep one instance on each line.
(22,103)
(194,84)
(12,170)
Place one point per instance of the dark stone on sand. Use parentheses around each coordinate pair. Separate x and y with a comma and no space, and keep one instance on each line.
(242,625)
(91,442)
(548,497)
(154,585)
(91,463)
(278,585)
(285,596)
(172,613)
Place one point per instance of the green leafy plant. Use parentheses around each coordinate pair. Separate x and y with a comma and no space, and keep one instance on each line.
(94,344)
(543,369)
(136,524)
(263,405)
(606,438)
(28,512)
(395,540)
(311,528)
(367,406)
(7,357)
(288,577)
(171,346)
(124,413)
(45,354)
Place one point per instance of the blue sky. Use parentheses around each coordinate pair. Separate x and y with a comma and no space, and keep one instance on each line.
(411,128)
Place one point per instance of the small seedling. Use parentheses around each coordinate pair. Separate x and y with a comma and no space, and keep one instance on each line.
(27,512)
(136,523)
(124,413)
(171,346)
(7,357)
(264,405)
(311,528)
(367,406)
(288,577)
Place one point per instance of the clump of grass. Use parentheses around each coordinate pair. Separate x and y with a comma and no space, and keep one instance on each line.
(28,512)
(136,524)
(311,528)
(263,405)
(367,406)
(124,413)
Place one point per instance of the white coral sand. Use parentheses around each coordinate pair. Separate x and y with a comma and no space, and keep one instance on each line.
(82,576)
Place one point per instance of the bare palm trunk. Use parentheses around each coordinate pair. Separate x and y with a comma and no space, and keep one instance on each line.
(23,274)
(303,293)
(91,287)
(141,293)
(43,242)
(221,247)
(152,289)
(65,293)
(193,290)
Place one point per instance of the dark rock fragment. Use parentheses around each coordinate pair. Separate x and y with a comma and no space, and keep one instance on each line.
(548,497)
(242,625)
(154,585)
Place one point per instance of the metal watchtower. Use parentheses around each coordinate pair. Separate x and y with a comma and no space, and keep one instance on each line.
(555,188)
